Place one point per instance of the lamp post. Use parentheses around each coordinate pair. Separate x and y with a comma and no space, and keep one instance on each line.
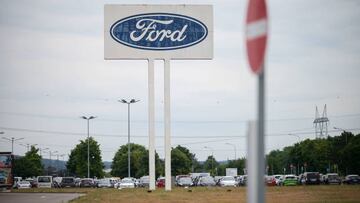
(132,101)
(212,157)
(299,139)
(295,135)
(346,141)
(12,140)
(88,142)
(42,149)
(50,154)
(234,148)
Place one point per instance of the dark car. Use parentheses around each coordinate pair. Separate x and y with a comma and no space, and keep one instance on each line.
(87,182)
(311,178)
(332,178)
(67,182)
(206,181)
(352,179)
(184,182)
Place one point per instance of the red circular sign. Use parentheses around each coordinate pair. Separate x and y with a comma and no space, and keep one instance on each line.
(256,34)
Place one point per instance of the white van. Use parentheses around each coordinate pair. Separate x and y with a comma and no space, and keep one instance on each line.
(44,181)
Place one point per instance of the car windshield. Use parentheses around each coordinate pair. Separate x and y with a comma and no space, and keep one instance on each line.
(354,177)
(333,176)
(127,180)
(44,179)
(67,180)
(86,181)
(207,180)
(312,175)
(228,178)
(24,182)
(185,180)
(290,177)
(105,181)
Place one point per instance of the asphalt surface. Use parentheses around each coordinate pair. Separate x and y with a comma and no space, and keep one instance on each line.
(37,197)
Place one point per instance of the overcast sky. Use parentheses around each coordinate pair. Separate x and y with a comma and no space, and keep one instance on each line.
(52,71)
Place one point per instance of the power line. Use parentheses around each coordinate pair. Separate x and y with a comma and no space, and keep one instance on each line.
(174,121)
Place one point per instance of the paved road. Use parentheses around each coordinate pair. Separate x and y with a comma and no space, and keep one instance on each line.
(37,197)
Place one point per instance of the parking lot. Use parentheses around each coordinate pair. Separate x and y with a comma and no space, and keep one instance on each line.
(318,193)
(38,197)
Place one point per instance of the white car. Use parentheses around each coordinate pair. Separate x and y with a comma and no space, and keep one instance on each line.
(127,183)
(104,183)
(279,179)
(227,181)
(44,181)
(23,184)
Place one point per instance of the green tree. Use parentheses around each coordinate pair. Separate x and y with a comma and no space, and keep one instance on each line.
(29,165)
(195,165)
(139,162)
(180,162)
(77,163)
(211,165)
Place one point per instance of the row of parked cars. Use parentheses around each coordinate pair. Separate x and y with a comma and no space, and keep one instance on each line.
(184,181)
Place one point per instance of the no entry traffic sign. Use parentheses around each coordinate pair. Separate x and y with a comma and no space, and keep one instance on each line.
(256,34)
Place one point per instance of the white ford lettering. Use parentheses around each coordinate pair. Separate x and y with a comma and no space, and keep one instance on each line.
(150,33)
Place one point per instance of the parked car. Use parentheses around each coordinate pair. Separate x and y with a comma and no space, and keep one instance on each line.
(87,182)
(144,181)
(32,182)
(184,182)
(206,181)
(311,178)
(105,183)
(23,184)
(126,183)
(289,180)
(352,179)
(160,182)
(278,179)
(67,182)
(243,180)
(44,182)
(227,181)
(270,181)
(332,178)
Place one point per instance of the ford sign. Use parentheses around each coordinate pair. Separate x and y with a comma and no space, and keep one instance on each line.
(158,31)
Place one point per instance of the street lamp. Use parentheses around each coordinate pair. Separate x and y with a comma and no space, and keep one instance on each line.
(88,142)
(12,140)
(346,141)
(295,135)
(51,153)
(132,101)
(212,157)
(234,148)
(43,149)
(299,139)
(28,146)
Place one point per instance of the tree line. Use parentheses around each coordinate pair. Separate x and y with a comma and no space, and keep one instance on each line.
(339,154)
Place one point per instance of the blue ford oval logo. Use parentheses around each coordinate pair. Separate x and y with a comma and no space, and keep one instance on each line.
(158,31)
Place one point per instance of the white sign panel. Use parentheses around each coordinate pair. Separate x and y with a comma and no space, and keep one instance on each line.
(158,31)
(231,172)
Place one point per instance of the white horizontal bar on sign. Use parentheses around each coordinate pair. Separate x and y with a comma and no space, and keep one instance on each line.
(256,29)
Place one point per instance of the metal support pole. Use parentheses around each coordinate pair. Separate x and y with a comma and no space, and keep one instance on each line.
(151,97)
(129,174)
(12,145)
(167,124)
(88,149)
(256,160)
